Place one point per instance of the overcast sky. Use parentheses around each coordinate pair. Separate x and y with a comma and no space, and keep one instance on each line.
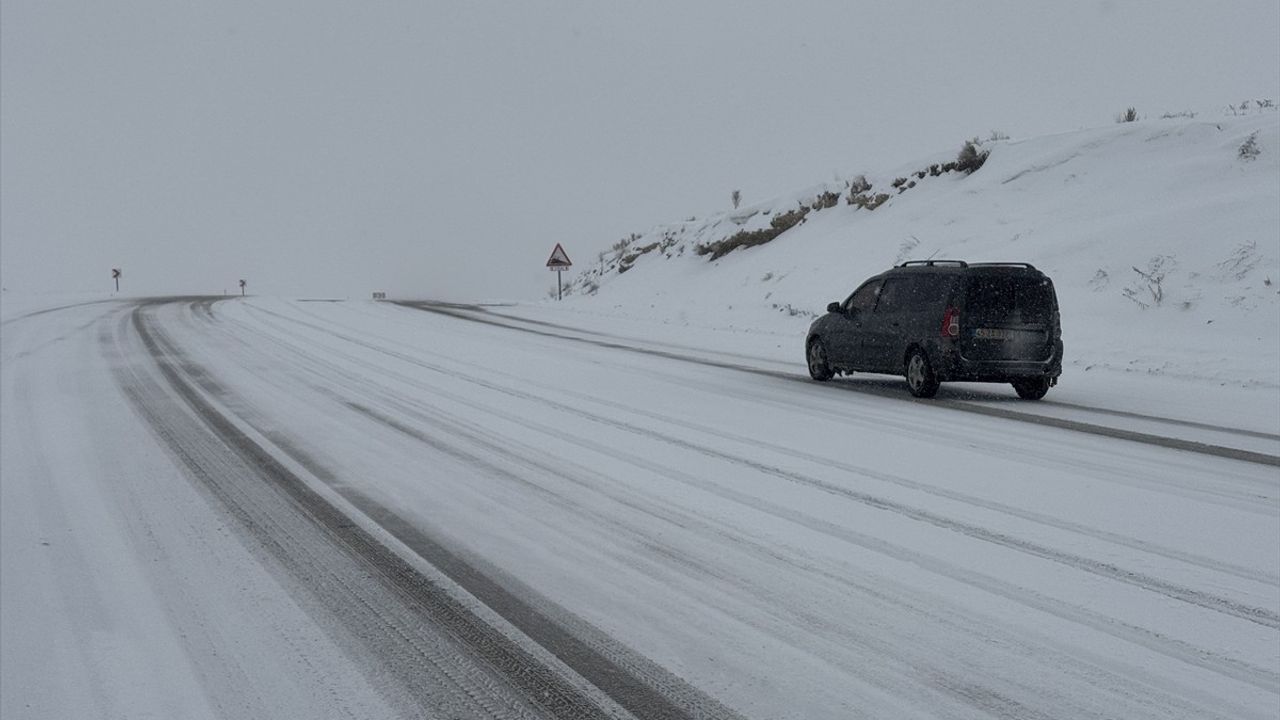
(441,149)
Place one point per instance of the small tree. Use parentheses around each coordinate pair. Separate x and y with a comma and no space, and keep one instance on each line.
(1128,116)
(736,196)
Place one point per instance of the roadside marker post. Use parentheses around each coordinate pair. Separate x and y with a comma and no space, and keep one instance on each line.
(559,261)
(115,275)
(242,284)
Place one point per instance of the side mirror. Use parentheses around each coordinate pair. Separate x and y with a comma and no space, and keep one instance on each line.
(834,308)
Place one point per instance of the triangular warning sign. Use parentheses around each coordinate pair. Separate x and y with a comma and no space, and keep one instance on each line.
(559,259)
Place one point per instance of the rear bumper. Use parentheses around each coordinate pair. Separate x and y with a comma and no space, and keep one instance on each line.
(953,366)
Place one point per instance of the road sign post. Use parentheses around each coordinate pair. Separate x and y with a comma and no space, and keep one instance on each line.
(115,275)
(559,261)
(242,284)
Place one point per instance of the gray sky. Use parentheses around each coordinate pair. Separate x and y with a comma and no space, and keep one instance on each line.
(442,148)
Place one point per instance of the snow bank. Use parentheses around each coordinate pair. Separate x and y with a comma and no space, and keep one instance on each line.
(1162,236)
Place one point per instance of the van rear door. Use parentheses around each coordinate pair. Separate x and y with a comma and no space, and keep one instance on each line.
(1008,316)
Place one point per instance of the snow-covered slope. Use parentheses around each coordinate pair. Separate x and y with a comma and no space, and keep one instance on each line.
(1162,237)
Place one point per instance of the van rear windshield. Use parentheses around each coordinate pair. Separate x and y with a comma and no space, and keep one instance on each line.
(1012,298)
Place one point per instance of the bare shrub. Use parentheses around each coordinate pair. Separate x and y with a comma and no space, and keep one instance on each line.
(867,201)
(783,222)
(779,224)
(824,201)
(1249,149)
(736,197)
(1151,281)
(906,248)
(1241,261)
(626,261)
(1100,280)
(970,158)
(1128,116)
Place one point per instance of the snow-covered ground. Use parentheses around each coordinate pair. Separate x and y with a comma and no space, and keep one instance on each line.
(269,508)
(634,503)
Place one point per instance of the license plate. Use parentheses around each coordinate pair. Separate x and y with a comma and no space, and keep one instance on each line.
(991,333)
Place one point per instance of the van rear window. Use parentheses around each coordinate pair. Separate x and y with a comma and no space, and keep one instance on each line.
(1011,297)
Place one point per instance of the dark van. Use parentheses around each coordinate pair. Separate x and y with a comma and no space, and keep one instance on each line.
(934,321)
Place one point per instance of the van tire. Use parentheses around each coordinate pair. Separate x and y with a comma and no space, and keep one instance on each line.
(819,361)
(921,380)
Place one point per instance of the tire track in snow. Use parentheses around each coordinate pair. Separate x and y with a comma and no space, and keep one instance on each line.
(1176,649)
(1207,563)
(45,311)
(1114,538)
(965,689)
(1046,420)
(619,661)
(1262,616)
(1138,636)
(657,695)
(302,530)
(1256,498)
(1054,403)
(39,347)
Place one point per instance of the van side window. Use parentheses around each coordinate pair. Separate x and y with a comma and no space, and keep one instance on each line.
(914,292)
(895,295)
(928,291)
(864,298)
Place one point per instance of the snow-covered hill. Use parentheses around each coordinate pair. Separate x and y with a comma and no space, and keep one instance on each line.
(1162,236)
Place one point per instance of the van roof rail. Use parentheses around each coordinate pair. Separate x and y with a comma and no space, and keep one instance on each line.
(1028,266)
(931,263)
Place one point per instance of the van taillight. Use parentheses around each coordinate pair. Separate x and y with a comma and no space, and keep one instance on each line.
(951,323)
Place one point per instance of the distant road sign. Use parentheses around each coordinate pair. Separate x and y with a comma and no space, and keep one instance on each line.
(379,296)
(559,259)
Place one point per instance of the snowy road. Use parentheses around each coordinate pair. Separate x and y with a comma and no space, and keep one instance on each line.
(261,508)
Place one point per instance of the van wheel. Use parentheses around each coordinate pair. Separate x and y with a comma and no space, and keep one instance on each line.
(1031,388)
(920,378)
(819,365)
